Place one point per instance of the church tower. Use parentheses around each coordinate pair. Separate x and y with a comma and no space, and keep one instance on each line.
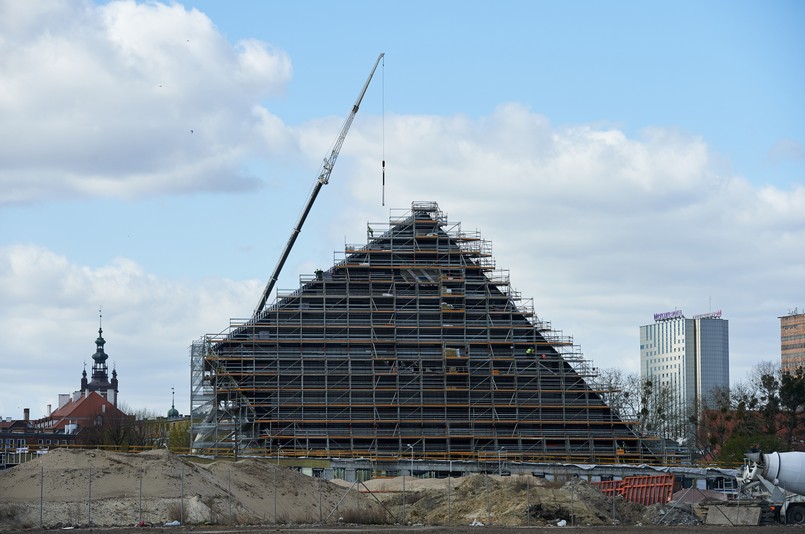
(100,372)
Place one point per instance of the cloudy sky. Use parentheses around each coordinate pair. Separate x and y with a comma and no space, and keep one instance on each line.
(624,158)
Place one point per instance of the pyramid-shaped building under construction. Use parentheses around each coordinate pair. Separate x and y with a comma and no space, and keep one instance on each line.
(413,338)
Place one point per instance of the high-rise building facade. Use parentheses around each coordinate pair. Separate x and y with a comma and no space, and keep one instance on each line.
(792,341)
(685,360)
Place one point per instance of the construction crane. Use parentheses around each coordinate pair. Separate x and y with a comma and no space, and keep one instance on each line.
(322,179)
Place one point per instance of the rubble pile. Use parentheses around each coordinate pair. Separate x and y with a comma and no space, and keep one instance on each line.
(516,501)
(672,513)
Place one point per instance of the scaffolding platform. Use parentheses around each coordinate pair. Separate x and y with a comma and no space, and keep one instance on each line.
(413,343)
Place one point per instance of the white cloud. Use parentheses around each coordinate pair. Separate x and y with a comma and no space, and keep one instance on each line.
(49,323)
(602,230)
(101,101)
(786,150)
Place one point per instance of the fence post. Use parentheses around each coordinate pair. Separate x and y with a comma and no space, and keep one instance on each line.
(528,500)
(449,500)
(488,509)
(89,498)
(140,499)
(41,493)
(613,498)
(403,488)
(181,500)
(573,505)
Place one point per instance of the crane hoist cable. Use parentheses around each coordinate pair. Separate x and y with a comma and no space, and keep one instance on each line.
(383,132)
(322,179)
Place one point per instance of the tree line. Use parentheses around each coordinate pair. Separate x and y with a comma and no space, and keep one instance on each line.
(766,411)
(136,430)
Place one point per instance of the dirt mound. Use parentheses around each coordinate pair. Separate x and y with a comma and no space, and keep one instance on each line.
(515,501)
(507,501)
(79,487)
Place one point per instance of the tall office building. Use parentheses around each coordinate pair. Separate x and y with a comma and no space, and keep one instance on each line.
(686,359)
(792,341)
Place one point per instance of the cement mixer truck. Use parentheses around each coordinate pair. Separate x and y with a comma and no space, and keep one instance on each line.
(781,476)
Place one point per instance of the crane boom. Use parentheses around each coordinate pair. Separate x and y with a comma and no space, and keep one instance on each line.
(322,179)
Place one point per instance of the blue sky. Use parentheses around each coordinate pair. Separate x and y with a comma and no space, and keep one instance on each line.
(624,158)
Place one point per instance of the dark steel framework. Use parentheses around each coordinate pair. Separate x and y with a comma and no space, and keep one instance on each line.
(411,342)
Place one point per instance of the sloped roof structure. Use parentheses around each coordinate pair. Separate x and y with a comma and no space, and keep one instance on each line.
(90,409)
(414,340)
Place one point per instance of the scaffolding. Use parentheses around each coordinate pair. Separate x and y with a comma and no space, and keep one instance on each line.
(414,341)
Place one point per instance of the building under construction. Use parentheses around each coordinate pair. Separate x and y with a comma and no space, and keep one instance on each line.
(413,341)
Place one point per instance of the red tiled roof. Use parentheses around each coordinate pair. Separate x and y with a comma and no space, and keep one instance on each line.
(14,423)
(83,410)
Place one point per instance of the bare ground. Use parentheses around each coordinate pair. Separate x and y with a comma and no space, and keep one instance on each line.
(116,490)
(351,529)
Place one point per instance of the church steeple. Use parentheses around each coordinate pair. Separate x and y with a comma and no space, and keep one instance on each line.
(84,378)
(173,412)
(100,356)
(100,371)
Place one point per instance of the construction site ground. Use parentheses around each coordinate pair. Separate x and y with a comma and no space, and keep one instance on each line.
(106,490)
(350,529)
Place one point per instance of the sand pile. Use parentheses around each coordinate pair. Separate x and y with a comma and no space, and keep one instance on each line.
(113,489)
(117,489)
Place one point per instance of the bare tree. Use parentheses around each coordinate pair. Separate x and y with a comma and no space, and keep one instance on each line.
(655,406)
(792,401)
(126,429)
(616,389)
(764,385)
(661,411)
(179,436)
(712,421)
